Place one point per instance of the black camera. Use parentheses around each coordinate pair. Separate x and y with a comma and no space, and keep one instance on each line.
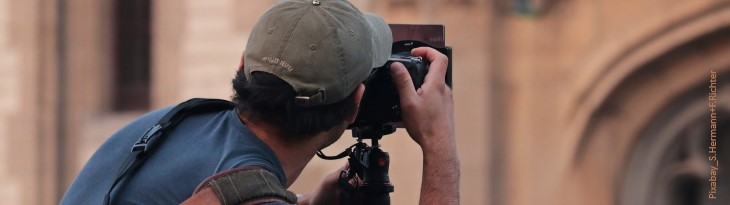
(380,112)
(380,105)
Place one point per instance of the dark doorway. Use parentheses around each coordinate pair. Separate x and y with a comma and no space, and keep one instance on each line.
(132,55)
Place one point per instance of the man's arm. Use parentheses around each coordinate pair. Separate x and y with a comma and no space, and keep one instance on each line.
(428,115)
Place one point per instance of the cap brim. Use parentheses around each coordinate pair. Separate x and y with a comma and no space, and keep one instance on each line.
(382,39)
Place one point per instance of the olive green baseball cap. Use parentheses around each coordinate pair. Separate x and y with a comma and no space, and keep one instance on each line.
(323,48)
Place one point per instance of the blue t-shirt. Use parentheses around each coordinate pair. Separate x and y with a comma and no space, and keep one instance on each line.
(200,146)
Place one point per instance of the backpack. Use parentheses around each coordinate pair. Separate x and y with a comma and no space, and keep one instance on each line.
(242,185)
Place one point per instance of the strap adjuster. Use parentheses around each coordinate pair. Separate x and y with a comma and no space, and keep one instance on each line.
(147,138)
(309,101)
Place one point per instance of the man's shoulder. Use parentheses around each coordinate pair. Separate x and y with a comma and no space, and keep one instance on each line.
(94,178)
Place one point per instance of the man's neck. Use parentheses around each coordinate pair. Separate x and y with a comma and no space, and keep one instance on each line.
(293,156)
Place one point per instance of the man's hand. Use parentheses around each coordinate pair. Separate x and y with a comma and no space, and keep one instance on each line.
(327,193)
(428,116)
(428,111)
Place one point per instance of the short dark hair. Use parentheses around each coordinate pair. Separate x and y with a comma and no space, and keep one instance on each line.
(267,98)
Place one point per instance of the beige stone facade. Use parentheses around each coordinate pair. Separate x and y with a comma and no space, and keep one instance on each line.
(557,102)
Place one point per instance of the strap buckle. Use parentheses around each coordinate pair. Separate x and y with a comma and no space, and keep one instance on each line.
(147,138)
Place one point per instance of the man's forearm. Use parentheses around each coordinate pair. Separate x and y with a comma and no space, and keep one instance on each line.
(441,174)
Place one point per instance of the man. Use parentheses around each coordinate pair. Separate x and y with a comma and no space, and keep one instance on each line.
(297,90)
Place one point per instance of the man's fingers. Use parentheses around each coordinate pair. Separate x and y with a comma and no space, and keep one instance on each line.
(439,63)
(403,82)
(432,55)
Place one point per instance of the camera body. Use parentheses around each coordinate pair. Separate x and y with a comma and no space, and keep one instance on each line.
(380,105)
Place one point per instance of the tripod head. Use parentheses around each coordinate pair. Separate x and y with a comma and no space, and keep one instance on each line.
(368,163)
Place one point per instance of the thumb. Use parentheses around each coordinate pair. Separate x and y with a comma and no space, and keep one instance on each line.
(403,82)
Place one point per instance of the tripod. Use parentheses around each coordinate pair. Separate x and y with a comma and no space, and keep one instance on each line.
(369,163)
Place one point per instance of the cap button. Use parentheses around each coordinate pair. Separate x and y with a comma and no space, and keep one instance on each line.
(316,2)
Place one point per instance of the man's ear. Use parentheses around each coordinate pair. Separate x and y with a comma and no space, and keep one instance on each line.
(356,98)
(240,66)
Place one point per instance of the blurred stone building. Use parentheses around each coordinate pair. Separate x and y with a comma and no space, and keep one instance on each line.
(557,101)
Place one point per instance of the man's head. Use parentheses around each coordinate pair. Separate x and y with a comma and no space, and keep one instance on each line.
(303,62)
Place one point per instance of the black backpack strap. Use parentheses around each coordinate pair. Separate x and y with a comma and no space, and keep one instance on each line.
(157,133)
(243,185)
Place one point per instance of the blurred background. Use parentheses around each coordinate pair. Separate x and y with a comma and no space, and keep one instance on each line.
(557,101)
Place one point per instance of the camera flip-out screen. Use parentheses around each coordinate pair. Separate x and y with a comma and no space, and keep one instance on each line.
(432,35)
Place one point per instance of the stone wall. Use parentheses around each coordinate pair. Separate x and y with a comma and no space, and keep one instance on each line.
(550,100)
(9,103)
